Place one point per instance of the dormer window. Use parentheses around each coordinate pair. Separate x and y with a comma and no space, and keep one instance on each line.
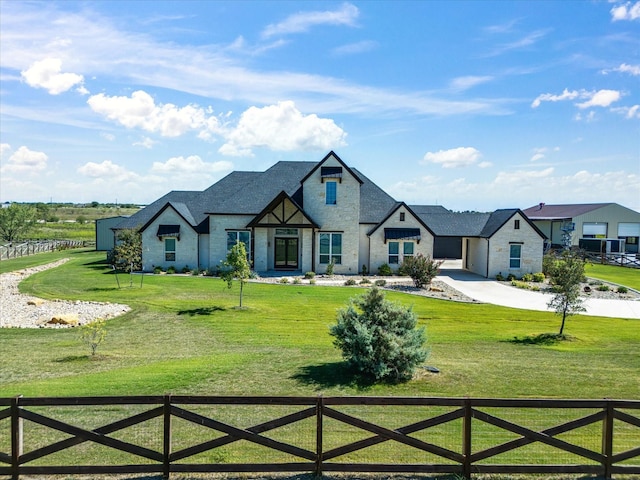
(331,173)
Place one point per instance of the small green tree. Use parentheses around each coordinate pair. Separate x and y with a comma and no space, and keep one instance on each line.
(379,338)
(128,250)
(422,269)
(93,334)
(566,274)
(236,266)
(16,220)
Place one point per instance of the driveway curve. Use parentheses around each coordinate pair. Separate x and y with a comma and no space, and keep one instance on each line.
(489,291)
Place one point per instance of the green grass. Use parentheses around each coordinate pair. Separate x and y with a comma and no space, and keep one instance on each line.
(279,344)
(185,336)
(629,277)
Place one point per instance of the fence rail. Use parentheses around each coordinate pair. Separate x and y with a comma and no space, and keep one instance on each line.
(630,260)
(31,248)
(318,434)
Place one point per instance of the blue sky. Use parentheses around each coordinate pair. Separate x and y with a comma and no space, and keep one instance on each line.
(473,105)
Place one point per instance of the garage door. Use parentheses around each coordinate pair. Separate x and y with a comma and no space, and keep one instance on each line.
(598,230)
(629,230)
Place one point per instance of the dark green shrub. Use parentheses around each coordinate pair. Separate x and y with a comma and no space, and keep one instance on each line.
(186,269)
(379,338)
(499,277)
(364,269)
(422,269)
(385,270)
(329,270)
(157,270)
(171,270)
(511,277)
(365,281)
(309,275)
(623,289)
(350,282)
(380,282)
(603,288)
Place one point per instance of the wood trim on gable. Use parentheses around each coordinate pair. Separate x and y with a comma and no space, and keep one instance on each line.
(283,211)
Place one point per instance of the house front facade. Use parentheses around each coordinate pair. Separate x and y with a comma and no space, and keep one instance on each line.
(294,217)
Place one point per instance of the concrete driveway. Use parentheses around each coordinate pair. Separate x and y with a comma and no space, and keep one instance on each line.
(489,291)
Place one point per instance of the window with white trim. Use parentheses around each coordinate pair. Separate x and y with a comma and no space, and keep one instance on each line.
(330,248)
(515,255)
(170,249)
(331,193)
(235,236)
(395,257)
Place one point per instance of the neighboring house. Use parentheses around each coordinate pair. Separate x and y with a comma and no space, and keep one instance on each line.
(302,216)
(588,221)
(105,236)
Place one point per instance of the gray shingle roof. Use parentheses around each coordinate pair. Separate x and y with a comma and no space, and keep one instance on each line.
(375,203)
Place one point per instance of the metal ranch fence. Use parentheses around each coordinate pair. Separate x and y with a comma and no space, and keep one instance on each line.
(465,436)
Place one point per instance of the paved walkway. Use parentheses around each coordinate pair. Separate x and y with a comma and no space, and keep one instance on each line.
(489,291)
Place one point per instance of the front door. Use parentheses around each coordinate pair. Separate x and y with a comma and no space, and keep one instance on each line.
(286,253)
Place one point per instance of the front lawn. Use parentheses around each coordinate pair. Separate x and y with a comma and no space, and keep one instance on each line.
(629,277)
(185,336)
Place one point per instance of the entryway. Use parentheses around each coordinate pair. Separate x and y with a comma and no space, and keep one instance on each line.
(286,253)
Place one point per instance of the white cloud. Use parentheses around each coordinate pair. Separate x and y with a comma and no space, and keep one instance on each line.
(281,127)
(355,48)
(453,158)
(108,136)
(47,74)
(626,11)
(190,165)
(625,68)
(522,178)
(24,161)
(141,111)
(107,170)
(146,142)
(601,98)
(303,21)
(628,112)
(549,97)
(589,117)
(4,148)
(465,83)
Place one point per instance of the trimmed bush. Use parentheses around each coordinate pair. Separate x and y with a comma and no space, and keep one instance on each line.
(603,288)
(171,270)
(380,282)
(309,275)
(422,269)
(527,277)
(385,270)
(350,282)
(623,289)
(538,277)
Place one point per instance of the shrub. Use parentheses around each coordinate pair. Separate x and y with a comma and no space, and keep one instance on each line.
(527,277)
(157,270)
(309,275)
(380,282)
(195,272)
(520,284)
(499,277)
(379,338)
(511,277)
(364,269)
(329,270)
(603,288)
(350,282)
(171,270)
(284,280)
(312,281)
(385,270)
(623,289)
(297,281)
(538,277)
(365,281)
(422,269)
(186,269)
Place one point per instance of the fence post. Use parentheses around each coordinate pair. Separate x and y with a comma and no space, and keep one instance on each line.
(319,428)
(466,439)
(166,467)
(607,439)
(16,437)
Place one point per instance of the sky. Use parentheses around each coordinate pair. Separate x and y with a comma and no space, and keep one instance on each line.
(473,105)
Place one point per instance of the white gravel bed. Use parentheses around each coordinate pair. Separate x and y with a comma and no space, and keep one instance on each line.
(24,311)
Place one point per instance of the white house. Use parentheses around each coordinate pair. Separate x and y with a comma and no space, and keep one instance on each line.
(302,216)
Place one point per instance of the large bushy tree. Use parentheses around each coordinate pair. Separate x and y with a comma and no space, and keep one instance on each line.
(236,267)
(566,273)
(16,220)
(379,338)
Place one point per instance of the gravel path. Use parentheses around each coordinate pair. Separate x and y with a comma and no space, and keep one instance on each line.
(24,311)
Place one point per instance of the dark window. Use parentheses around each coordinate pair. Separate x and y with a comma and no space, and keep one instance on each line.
(331,248)
(331,192)
(402,216)
(170,249)
(516,225)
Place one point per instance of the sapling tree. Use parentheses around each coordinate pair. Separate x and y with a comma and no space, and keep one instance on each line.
(93,334)
(379,338)
(128,251)
(566,274)
(236,267)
